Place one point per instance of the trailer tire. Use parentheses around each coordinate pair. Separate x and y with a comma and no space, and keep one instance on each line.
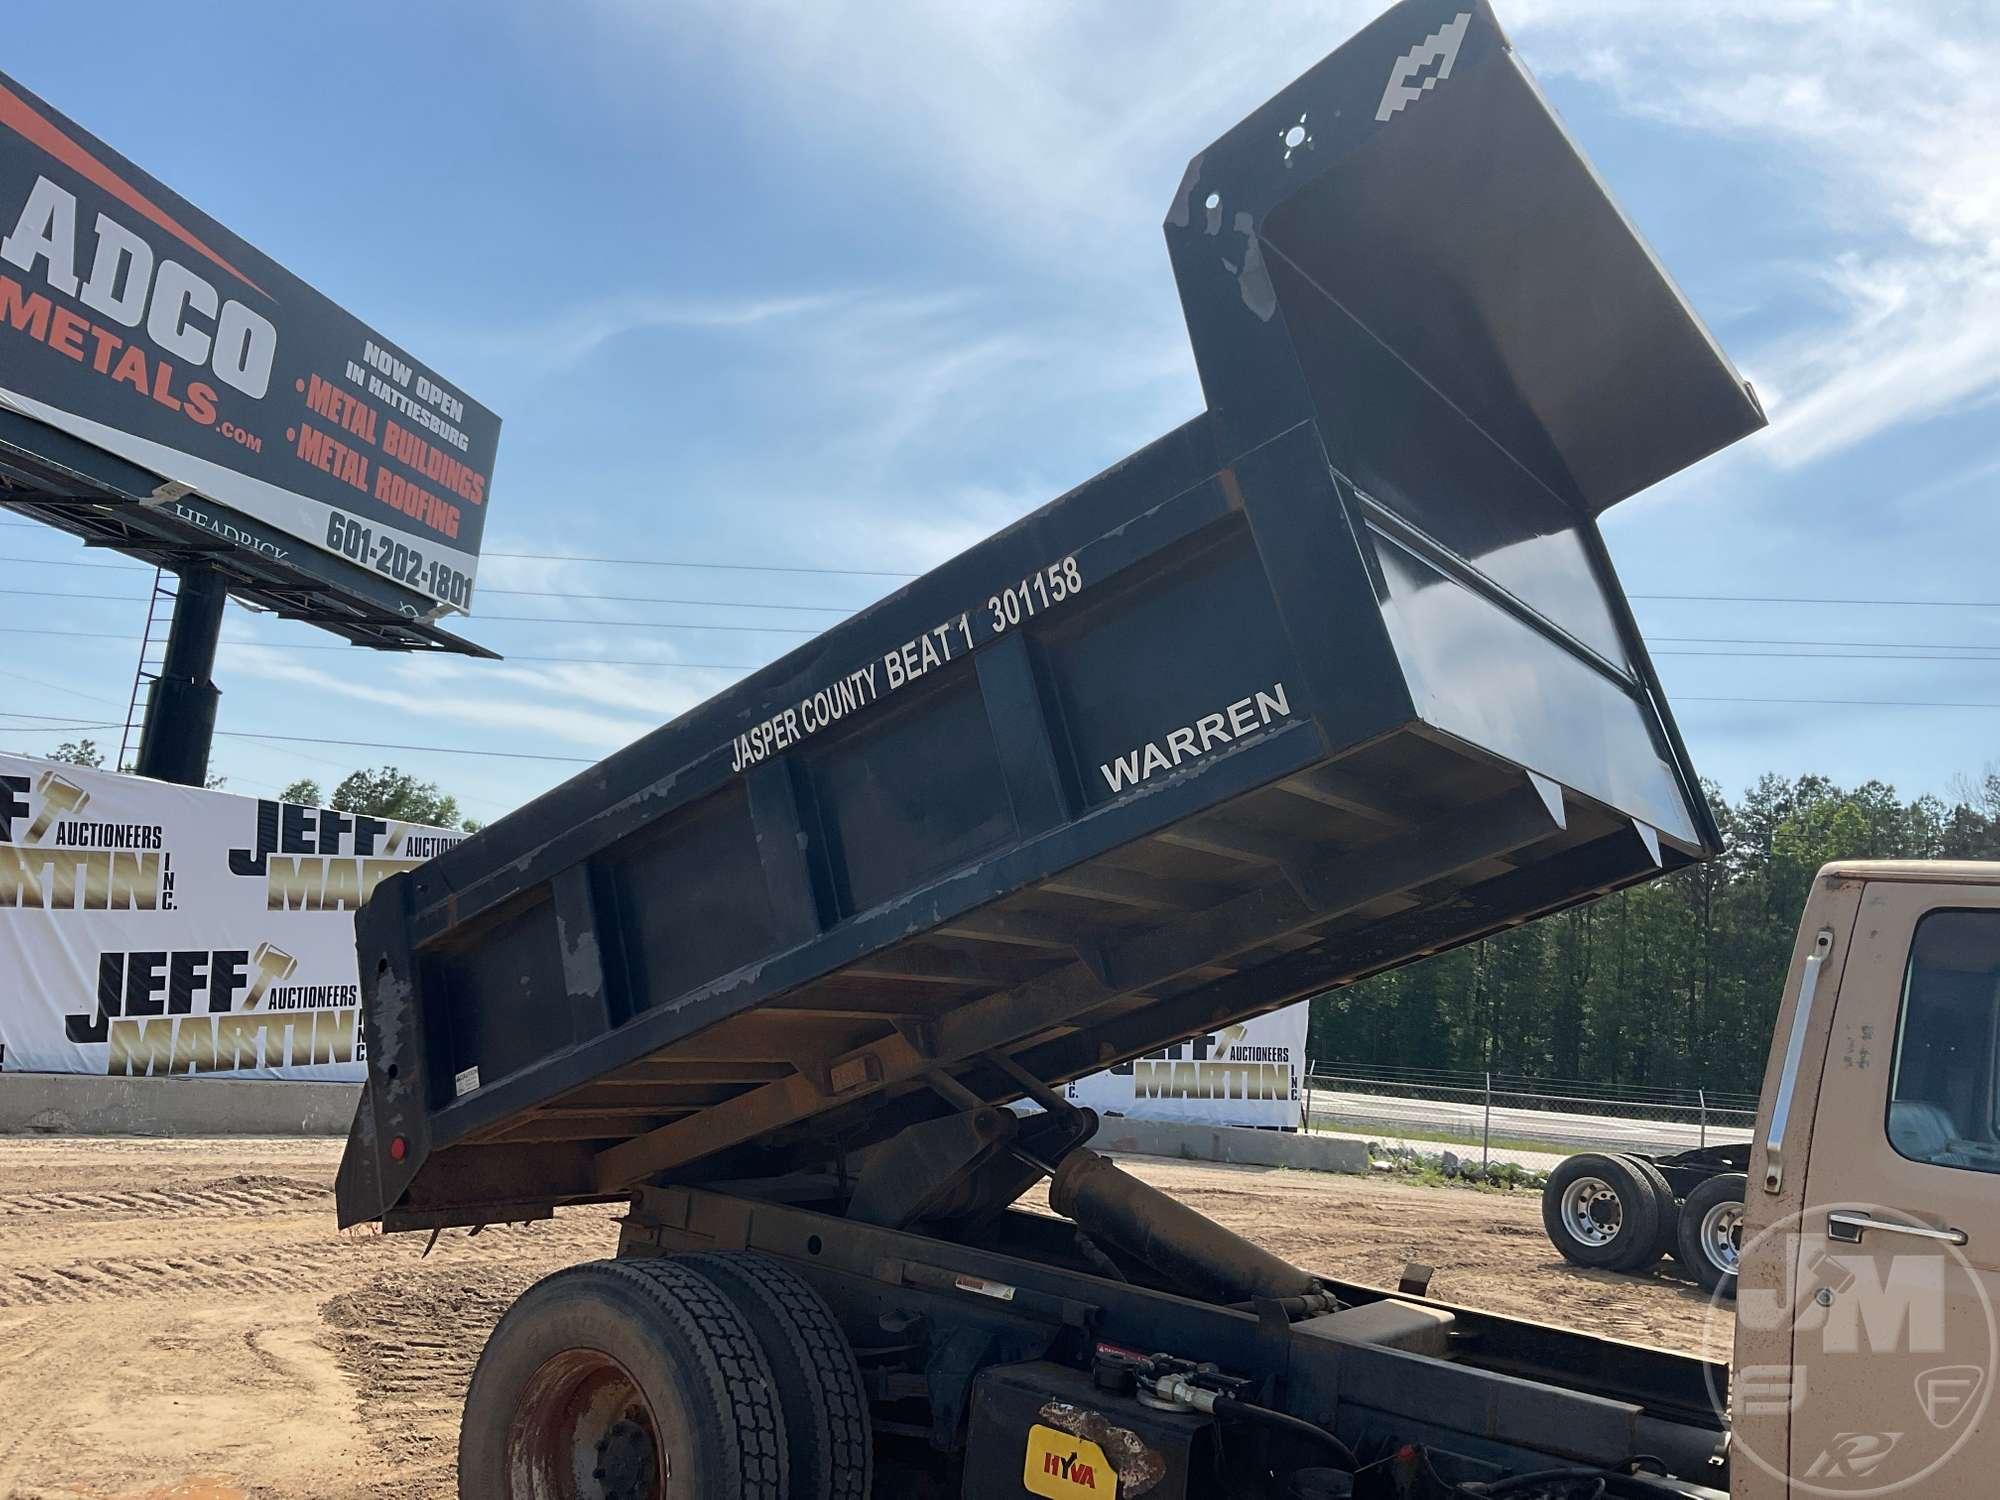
(832,1450)
(1601,1213)
(1669,1206)
(1711,1231)
(619,1364)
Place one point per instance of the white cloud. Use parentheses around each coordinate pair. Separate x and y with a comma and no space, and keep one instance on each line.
(567,338)
(419,684)
(1059,130)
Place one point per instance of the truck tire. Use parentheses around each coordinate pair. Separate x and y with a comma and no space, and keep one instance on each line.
(819,1381)
(617,1379)
(1669,1207)
(1601,1213)
(1711,1231)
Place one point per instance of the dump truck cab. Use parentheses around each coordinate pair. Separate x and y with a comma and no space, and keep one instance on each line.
(1865,1329)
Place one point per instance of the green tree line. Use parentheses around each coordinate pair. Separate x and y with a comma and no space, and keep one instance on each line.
(1675,983)
(382,793)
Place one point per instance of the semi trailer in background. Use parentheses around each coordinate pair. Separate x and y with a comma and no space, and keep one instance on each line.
(1623,1211)
(1333,676)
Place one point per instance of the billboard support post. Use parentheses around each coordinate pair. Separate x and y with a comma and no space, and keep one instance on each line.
(180,709)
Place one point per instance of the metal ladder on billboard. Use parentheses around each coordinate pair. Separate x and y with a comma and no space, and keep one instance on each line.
(152,660)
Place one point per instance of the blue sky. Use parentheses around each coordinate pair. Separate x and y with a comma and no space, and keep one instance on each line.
(850,287)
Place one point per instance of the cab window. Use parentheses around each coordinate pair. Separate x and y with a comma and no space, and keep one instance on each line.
(1944,1093)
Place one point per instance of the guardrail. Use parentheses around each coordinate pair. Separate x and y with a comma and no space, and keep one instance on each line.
(1509,1117)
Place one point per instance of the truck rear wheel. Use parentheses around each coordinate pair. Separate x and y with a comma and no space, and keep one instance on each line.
(622,1380)
(1711,1231)
(818,1378)
(1601,1213)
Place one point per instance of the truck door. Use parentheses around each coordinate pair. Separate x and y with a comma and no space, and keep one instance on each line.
(1896,1263)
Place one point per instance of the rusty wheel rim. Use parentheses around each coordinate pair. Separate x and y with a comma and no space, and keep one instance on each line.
(586,1432)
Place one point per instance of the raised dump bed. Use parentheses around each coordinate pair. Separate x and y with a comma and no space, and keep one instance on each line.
(1335,675)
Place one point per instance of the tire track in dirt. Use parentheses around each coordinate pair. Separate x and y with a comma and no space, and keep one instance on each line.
(29,1349)
(243,1195)
(408,1344)
(313,1265)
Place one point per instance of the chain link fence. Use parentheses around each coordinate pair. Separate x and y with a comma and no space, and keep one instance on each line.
(1534,1122)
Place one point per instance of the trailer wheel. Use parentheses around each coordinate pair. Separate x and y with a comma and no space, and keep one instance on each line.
(622,1380)
(1669,1207)
(1711,1231)
(818,1378)
(1599,1212)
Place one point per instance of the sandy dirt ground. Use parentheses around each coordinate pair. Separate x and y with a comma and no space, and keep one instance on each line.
(179,1320)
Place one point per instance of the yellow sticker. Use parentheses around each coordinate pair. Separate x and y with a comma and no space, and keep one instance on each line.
(1066,1468)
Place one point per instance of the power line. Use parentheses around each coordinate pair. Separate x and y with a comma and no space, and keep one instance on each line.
(1752,640)
(8,713)
(70,635)
(590,661)
(664,562)
(828,609)
(60,562)
(1835,657)
(72,594)
(57,687)
(1835,702)
(736,567)
(482,619)
(348,766)
(1793,599)
(509,660)
(643,624)
(319,739)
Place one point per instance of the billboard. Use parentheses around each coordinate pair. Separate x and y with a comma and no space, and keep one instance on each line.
(135,323)
(148,929)
(1252,1073)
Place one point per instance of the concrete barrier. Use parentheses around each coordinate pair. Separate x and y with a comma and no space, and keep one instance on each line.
(1231,1143)
(79,1104)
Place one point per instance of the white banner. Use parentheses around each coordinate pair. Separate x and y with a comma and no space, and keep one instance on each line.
(147,928)
(1247,1074)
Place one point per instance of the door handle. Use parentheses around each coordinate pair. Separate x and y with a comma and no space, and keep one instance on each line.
(1848,1227)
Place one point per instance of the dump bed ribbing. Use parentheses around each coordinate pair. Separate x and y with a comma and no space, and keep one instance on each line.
(1335,675)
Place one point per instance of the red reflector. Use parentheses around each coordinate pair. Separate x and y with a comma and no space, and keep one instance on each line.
(398,1149)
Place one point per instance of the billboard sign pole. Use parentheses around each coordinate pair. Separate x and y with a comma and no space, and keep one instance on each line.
(180,709)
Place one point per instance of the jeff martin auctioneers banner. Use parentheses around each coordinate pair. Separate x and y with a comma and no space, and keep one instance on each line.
(1247,1074)
(147,928)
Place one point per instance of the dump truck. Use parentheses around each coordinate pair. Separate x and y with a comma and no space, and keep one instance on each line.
(1333,676)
